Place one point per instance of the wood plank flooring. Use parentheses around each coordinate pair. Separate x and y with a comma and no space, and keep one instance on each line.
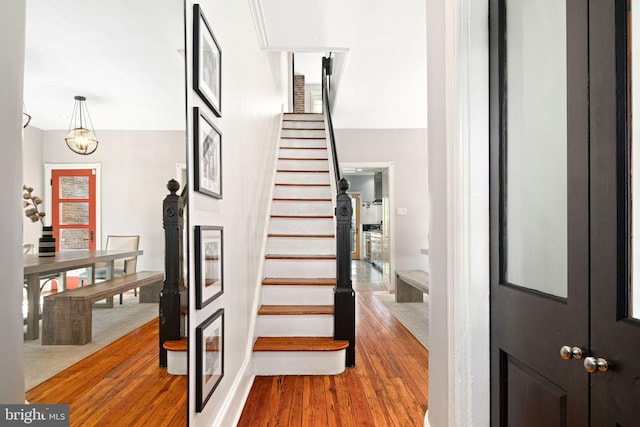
(122,384)
(388,386)
(119,385)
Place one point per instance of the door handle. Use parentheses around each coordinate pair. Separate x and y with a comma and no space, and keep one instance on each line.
(568,353)
(595,364)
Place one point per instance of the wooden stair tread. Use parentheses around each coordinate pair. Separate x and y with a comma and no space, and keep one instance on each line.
(303,216)
(176,345)
(302,158)
(303,148)
(301,257)
(302,171)
(285,184)
(299,199)
(272,310)
(303,236)
(306,119)
(299,344)
(294,281)
(310,118)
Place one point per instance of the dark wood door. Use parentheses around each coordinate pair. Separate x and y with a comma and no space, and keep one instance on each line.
(615,249)
(539,211)
(562,185)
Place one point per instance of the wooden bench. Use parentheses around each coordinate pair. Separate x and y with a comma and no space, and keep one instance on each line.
(411,285)
(67,316)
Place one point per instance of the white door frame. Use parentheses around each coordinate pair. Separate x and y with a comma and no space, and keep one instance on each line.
(48,167)
(392,203)
(458,105)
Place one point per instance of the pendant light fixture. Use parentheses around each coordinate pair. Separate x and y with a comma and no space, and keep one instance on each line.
(81,138)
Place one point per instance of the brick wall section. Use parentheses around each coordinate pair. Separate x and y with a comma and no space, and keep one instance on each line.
(298,94)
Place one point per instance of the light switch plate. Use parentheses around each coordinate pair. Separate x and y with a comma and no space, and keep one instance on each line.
(401,211)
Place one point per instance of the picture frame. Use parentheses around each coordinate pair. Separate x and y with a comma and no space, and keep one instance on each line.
(207,65)
(209,262)
(207,153)
(209,357)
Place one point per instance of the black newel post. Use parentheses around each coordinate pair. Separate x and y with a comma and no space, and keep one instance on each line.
(344,297)
(173,290)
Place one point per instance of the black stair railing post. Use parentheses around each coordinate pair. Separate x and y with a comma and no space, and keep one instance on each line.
(173,290)
(344,325)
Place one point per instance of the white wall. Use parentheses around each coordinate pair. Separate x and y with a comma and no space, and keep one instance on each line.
(135,167)
(251,105)
(32,172)
(407,148)
(12,27)
(438,277)
(383,85)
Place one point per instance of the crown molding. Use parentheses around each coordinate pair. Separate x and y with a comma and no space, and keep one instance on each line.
(257,14)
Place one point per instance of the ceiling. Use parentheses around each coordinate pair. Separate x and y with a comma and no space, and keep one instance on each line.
(126,57)
(123,55)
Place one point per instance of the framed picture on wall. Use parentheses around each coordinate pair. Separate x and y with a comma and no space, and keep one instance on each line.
(207,76)
(209,264)
(209,357)
(207,151)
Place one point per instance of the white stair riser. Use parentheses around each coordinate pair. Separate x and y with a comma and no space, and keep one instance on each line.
(299,362)
(312,325)
(303,116)
(177,362)
(313,165)
(293,191)
(302,178)
(282,268)
(303,124)
(294,153)
(297,295)
(303,133)
(302,143)
(301,207)
(301,226)
(301,246)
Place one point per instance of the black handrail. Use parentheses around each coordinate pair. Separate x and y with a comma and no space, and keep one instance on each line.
(326,83)
(344,300)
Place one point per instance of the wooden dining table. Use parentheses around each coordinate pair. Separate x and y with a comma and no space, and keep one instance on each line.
(64,261)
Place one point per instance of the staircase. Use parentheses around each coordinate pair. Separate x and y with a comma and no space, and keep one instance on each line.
(295,321)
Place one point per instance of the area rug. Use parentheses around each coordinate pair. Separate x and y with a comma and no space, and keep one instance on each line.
(413,315)
(42,362)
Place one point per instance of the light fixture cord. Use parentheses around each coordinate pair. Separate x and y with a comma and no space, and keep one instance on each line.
(90,121)
(72,124)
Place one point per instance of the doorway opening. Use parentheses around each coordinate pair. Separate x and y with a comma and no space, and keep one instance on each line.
(373,225)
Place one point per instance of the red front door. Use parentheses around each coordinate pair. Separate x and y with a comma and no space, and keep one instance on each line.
(73,205)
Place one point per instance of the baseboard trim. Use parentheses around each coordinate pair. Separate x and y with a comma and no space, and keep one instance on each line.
(231,410)
(426,419)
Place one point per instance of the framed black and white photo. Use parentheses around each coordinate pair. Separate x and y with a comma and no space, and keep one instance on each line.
(208,155)
(209,357)
(207,79)
(209,264)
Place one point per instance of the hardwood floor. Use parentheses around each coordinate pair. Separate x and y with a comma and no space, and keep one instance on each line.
(388,386)
(119,385)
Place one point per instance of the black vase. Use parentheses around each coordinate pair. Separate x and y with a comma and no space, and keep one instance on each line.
(47,243)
